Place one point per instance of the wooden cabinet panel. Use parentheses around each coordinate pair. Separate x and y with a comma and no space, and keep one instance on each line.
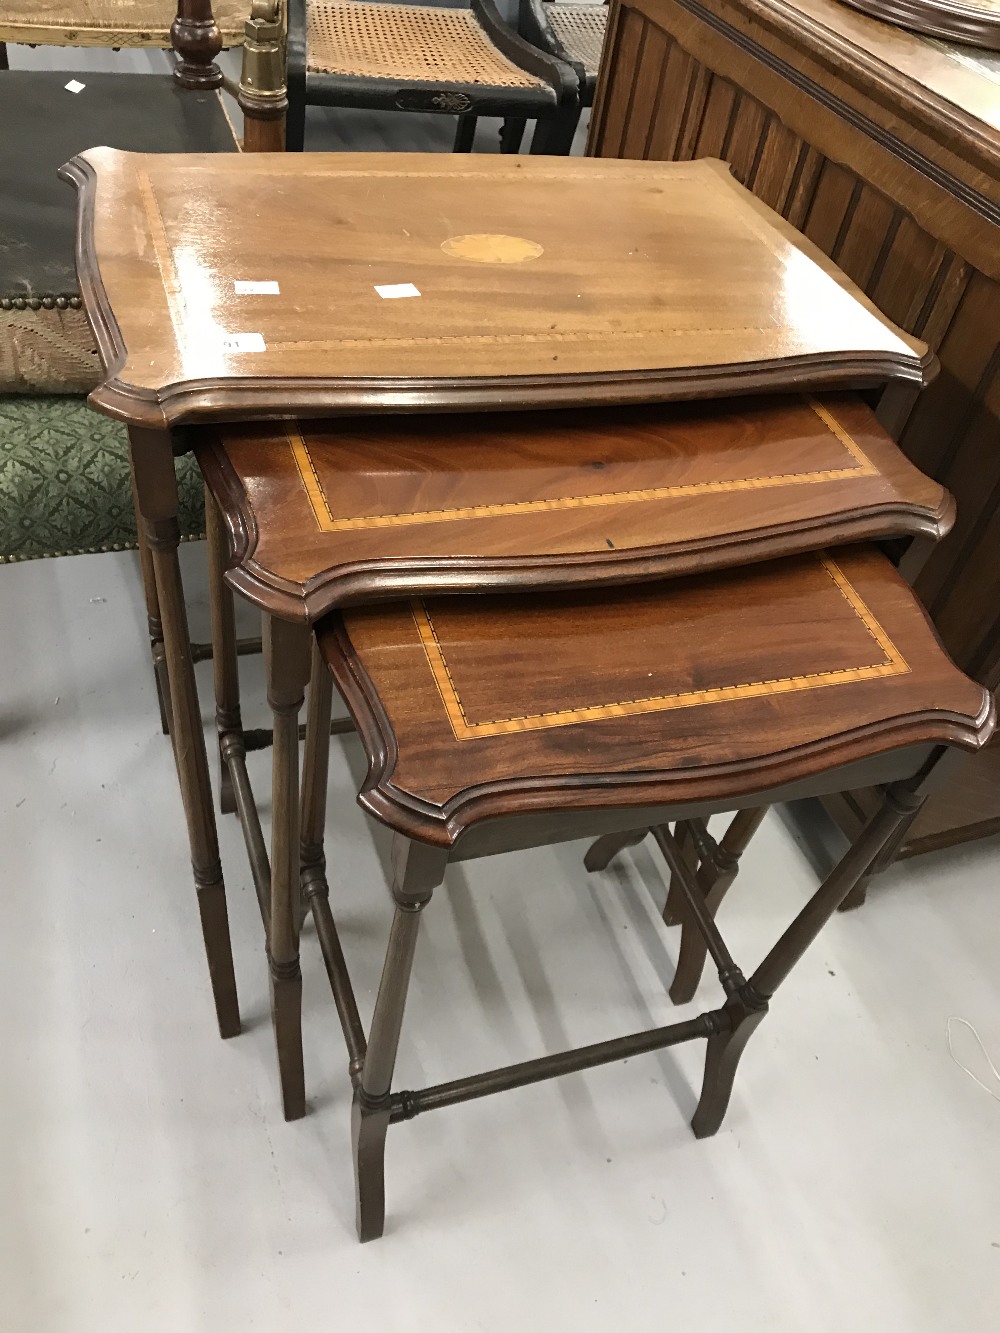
(887,157)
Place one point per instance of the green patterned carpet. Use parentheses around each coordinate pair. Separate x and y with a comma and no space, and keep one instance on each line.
(64,481)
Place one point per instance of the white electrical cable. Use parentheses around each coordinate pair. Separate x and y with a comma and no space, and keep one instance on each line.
(975,1078)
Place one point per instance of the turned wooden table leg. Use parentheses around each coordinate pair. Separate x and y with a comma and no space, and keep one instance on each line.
(673,908)
(747,1008)
(315,890)
(417,870)
(225,661)
(746,1012)
(715,877)
(286,660)
(156,494)
(155,628)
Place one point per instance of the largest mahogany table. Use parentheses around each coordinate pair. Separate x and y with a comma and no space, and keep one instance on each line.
(277,286)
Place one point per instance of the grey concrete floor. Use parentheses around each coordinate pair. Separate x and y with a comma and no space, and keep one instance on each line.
(148,1182)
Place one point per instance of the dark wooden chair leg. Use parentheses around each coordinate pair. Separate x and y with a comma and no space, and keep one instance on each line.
(156,492)
(747,1008)
(417,870)
(225,661)
(719,873)
(4,63)
(554,135)
(465,134)
(601,853)
(286,658)
(512,133)
(153,624)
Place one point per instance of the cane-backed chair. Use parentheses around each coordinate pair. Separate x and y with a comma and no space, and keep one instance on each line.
(190,30)
(572,32)
(458,60)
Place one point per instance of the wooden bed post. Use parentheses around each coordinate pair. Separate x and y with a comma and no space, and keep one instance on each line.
(197,40)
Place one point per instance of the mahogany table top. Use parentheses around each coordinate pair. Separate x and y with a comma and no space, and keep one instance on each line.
(697,689)
(421,282)
(322,513)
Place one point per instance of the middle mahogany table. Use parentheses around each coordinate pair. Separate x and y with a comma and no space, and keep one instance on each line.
(318,515)
(289,286)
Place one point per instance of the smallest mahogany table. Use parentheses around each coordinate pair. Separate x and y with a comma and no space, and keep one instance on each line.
(306,517)
(494,724)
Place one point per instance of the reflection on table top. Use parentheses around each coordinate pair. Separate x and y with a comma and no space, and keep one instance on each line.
(372,281)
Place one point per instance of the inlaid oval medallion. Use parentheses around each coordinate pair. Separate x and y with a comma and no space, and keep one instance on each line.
(484,248)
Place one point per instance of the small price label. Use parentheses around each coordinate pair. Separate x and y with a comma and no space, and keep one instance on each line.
(394,291)
(269,288)
(244,342)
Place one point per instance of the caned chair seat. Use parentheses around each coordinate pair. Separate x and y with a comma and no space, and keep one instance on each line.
(580,30)
(451,59)
(108,22)
(407,43)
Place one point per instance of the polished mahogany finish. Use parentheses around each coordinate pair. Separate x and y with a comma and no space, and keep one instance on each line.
(495,724)
(973,21)
(539,282)
(883,148)
(709,688)
(323,513)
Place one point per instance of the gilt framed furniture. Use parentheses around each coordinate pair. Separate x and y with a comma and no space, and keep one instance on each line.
(603,303)
(458,59)
(675,699)
(190,27)
(306,517)
(883,147)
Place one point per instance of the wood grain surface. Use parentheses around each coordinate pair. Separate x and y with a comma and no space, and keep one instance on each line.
(695,689)
(883,147)
(633,281)
(974,21)
(321,513)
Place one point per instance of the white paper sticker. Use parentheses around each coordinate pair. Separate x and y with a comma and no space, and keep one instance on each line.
(75,86)
(269,288)
(244,342)
(392,291)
